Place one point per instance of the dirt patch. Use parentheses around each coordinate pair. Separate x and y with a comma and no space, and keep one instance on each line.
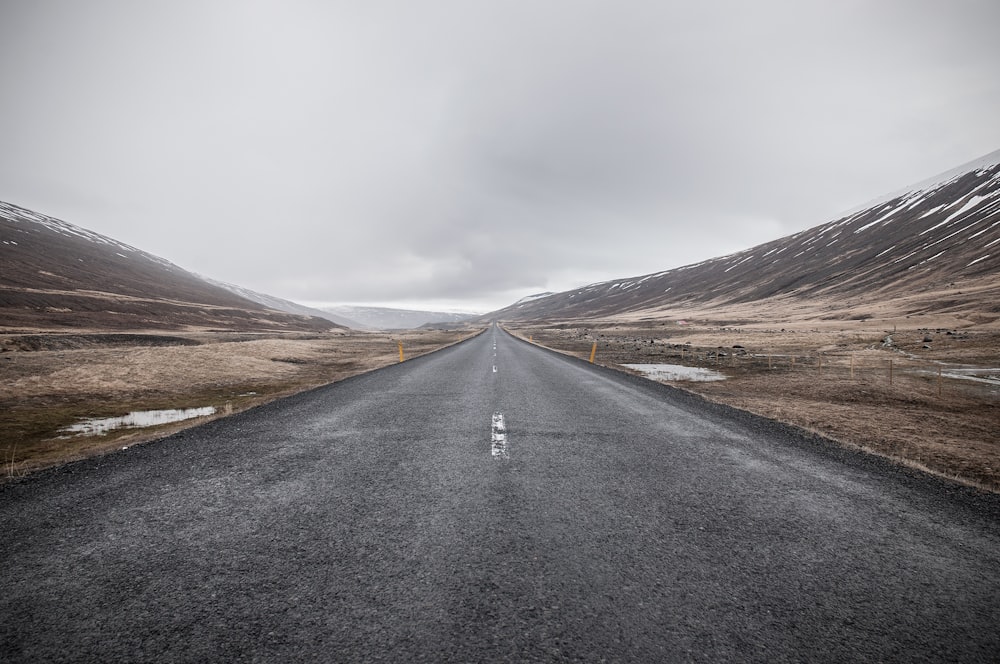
(926,397)
(35,342)
(49,381)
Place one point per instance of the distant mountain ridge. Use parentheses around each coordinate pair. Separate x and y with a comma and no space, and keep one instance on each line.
(280,304)
(354,317)
(911,247)
(383,318)
(54,274)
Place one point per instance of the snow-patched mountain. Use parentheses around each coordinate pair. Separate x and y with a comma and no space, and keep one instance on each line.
(933,247)
(280,304)
(56,274)
(383,318)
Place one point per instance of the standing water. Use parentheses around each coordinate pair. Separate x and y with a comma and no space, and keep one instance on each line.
(136,420)
(676,372)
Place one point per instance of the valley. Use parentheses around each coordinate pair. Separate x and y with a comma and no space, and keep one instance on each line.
(879,329)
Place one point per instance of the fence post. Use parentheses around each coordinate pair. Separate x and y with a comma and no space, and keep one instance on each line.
(890,371)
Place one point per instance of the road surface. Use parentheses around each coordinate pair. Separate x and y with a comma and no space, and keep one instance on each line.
(495,502)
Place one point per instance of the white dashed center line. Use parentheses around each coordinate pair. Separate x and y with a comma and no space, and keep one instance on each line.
(499,437)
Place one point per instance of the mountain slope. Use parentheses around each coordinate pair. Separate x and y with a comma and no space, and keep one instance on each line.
(933,247)
(272,302)
(56,274)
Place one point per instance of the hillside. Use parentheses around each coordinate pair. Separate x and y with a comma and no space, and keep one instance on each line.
(54,274)
(933,247)
(272,302)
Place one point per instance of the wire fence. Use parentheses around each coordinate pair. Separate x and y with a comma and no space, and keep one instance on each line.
(888,367)
(885,366)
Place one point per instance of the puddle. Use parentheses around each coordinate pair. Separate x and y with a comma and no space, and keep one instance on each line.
(676,372)
(136,420)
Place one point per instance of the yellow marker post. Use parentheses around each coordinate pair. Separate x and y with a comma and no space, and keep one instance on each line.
(400,350)
(593,352)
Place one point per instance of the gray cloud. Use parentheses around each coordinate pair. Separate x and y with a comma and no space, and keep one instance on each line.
(473,152)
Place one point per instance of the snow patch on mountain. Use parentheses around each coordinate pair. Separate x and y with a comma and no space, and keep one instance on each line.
(531,298)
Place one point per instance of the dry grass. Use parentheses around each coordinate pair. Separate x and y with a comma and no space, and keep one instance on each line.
(71,377)
(804,377)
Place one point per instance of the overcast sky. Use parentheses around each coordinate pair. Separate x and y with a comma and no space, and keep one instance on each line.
(465,154)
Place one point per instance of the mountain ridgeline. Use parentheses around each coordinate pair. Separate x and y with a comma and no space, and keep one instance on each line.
(58,275)
(931,248)
(934,247)
(385,318)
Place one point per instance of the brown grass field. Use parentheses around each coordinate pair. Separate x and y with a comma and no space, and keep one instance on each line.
(51,380)
(832,378)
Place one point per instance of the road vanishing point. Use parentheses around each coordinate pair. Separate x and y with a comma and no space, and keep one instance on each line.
(495,501)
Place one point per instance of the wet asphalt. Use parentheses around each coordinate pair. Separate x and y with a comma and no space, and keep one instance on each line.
(369,520)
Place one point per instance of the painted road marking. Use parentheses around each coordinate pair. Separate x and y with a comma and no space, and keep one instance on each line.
(499,437)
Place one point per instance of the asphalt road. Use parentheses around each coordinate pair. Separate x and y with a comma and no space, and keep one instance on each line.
(396,517)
